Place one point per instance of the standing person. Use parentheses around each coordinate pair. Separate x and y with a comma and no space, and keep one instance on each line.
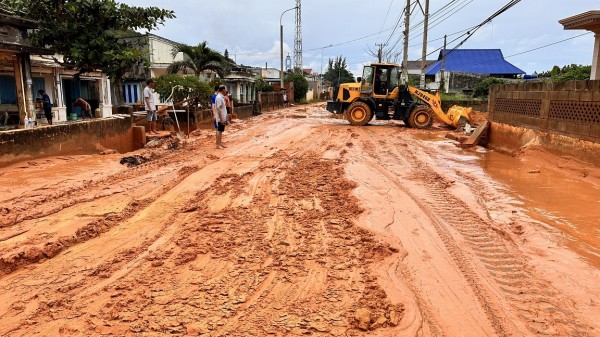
(213,99)
(86,108)
(220,116)
(46,105)
(228,105)
(151,114)
(285,99)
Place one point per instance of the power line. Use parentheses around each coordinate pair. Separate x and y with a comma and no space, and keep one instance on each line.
(350,41)
(548,45)
(439,20)
(470,33)
(512,55)
(384,20)
(442,13)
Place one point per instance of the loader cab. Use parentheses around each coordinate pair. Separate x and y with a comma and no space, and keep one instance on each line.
(379,80)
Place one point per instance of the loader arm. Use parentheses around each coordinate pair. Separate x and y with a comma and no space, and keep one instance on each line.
(434,102)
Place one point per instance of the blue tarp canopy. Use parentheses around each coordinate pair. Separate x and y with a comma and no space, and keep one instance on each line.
(474,61)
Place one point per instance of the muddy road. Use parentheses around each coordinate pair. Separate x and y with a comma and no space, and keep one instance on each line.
(302,226)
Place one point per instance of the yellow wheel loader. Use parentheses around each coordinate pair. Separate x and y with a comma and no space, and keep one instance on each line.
(379,94)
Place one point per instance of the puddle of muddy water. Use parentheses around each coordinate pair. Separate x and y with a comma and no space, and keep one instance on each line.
(571,206)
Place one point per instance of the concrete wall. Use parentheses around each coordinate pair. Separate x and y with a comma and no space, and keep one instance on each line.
(566,108)
(73,138)
(511,139)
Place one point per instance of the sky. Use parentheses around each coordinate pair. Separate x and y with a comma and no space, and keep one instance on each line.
(249,29)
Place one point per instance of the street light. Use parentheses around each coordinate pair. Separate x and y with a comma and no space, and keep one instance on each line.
(281,43)
(322,64)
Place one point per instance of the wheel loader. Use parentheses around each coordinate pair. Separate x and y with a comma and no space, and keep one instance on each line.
(378,94)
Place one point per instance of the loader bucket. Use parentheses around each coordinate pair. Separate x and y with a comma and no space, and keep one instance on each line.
(459,115)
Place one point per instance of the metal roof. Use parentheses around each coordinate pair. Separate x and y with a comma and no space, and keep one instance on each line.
(474,61)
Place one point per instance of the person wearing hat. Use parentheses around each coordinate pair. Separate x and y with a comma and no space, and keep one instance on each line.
(151,114)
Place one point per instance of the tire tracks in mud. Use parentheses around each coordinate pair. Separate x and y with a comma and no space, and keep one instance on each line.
(32,254)
(540,308)
(265,249)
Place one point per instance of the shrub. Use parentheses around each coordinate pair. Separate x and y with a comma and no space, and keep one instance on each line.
(482,89)
(191,86)
(300,86)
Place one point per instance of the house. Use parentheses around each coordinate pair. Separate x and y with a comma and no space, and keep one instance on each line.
(64,86)
(160,55)
(240,84)
(25,69)
(463,68)
(271,75)
(18,86)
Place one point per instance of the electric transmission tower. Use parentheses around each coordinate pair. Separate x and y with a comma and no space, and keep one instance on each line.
(298,39)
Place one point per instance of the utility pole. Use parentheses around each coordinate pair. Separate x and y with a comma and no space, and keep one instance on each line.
(298,39)
(405,56)
(443,80)
(424,53)
(380,51)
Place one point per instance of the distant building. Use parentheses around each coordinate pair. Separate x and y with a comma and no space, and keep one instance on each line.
(270,75)
(463,68)
(160,56)
(414,67)
(240,84)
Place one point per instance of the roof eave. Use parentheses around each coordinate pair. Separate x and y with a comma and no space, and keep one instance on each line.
(589,20)
(17,21)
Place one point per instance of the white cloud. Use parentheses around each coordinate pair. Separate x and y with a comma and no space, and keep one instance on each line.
(252,27)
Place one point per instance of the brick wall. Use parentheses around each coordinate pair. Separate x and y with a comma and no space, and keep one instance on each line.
(567,108)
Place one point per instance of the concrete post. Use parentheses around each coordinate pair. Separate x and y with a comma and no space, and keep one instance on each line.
(26,63)
(104,97)
(596,59)
(20,88)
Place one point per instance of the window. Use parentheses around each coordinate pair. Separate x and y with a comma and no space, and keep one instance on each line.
(367,79)
(8,90)
(131,93)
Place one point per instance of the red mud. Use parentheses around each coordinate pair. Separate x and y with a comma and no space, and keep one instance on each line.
(302,226)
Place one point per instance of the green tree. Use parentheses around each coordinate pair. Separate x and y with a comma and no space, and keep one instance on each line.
(572,72)
(337,72)
(187,86)
(300,86)
(482,88)
(199,58)
(89,33)
(262,85)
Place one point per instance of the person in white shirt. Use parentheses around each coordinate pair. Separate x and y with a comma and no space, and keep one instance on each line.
(151,114)
(220,114)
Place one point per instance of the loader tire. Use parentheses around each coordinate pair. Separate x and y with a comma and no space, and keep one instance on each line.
(421,117)
(359,113)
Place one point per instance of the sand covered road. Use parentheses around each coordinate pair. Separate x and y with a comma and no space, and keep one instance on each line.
(301,226)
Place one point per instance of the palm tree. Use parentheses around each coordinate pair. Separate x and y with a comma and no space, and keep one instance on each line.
(199,58)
